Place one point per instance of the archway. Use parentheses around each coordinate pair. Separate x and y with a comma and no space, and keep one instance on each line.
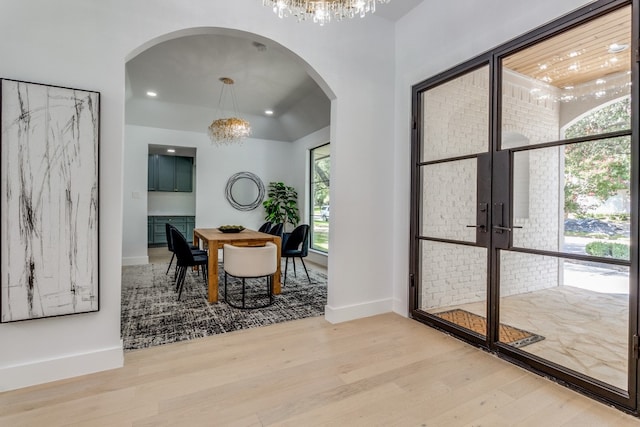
(172,121)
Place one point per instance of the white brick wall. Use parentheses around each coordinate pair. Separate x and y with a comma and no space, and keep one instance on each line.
(456,117)
(446,212)
(456,123)
(528,109)
(452,274)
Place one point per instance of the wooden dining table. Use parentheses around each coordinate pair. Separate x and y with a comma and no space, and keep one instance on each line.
(214,239)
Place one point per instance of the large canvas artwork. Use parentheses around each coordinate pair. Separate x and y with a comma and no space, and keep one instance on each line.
(49,202)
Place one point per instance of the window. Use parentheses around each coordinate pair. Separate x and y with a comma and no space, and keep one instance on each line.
(320,207)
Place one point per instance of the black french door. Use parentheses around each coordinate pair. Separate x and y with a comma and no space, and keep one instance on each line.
(524,223)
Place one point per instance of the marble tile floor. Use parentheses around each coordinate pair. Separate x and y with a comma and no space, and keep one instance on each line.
(584,330)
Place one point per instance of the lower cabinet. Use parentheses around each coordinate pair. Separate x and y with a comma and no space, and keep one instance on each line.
(157,234)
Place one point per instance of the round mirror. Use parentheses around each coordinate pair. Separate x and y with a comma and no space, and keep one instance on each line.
(245,191)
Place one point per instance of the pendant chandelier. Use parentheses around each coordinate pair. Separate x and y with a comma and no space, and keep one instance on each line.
(228,130)
(322,11)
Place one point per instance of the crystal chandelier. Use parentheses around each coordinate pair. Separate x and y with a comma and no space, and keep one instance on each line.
(228,130)
(322,11)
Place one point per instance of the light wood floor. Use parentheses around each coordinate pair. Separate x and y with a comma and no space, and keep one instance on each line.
(379,371)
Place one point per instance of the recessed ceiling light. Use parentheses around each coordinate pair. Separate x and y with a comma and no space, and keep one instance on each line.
(152,94)
(573,54)
(543,67)
(268,112)
(170,150)
(617,47)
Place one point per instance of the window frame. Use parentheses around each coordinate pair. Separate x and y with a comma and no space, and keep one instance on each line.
(312,185)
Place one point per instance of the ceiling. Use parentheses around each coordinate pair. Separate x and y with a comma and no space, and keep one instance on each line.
(580,55)
(185,72)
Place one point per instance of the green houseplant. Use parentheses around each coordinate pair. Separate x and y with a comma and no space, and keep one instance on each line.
(282,204)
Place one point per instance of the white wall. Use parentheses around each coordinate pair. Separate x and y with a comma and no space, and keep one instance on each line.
(86,43)
(433,38)
(170,203)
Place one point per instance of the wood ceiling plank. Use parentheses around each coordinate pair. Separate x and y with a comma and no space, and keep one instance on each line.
(585,47)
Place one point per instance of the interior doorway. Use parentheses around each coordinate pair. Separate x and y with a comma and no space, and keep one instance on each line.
(524,191)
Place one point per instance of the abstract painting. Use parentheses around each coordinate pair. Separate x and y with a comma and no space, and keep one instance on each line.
(49,203)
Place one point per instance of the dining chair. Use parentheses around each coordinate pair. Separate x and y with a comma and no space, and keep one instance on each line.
(264,228)
(196,250)
(185,259)
(296,246)
(277,229)
(250,262)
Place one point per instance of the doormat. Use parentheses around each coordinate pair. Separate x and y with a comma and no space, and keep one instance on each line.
(508,334)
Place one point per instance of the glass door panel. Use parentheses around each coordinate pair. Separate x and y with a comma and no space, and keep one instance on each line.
(453,260)
(454,284)
(572,313)
(574,198)
(455,120)
(449,200)
(550,85)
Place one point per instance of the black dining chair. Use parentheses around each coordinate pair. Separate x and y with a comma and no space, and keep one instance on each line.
(264,228)
(296,246)
(185,259)
(277,230)
(196,251)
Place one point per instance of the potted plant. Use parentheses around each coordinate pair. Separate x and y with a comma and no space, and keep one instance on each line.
(282,204)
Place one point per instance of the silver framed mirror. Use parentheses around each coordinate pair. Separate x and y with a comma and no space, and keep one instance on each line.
(244,191)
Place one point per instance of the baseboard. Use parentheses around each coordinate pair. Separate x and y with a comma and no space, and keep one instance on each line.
(400,307)
(44,371)
(136,260)
(357,311)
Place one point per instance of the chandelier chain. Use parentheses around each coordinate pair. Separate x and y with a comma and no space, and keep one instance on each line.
(228,130)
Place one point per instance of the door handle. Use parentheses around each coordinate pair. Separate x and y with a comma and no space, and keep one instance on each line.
(500,228)
(481,227)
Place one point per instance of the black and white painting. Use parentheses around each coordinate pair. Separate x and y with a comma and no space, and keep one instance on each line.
(49,202)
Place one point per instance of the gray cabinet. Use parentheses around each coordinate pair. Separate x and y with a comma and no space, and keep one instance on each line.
(149,230)
(157,234)
(152,174)
(184,174)
(170,173)
(190,225)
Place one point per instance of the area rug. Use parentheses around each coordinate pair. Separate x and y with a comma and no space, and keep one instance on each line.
(508,334)
(152,315)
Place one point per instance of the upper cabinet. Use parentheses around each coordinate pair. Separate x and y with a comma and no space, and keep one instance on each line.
(170,173)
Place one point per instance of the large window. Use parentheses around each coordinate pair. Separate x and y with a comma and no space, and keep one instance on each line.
(320,208)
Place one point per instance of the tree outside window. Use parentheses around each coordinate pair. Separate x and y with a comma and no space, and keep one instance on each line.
(320,207)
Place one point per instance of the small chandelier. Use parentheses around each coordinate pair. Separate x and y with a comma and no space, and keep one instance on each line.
(322,11)
(228,130)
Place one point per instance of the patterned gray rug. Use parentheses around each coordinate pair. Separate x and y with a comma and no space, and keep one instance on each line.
(152,315)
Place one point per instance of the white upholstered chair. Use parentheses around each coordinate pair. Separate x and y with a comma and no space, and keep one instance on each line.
(250,262)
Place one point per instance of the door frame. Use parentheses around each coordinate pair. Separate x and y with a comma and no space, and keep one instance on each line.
(627,401)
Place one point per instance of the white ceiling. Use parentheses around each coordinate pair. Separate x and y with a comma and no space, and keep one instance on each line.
(185,74)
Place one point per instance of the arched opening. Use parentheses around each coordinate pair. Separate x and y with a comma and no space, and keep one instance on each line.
(183,70)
